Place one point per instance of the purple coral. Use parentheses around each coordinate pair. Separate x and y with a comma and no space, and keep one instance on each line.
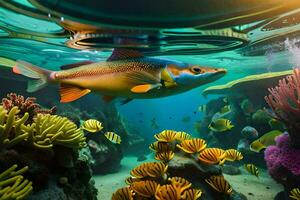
(284,100)
(282,158)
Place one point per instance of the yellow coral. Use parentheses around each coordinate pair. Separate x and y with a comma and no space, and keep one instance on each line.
(48,130)
(191,194)
(192,146)
(165,156)
(123,194)
(180,135)
(166,192)
(13,186)
(11,127)
(220,184)
(166,136)
(212,156)
(180,185)
(233,155)
(150,169)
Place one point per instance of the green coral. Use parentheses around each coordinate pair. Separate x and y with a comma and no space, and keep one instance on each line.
(48,130)
(11,126)
(13,186)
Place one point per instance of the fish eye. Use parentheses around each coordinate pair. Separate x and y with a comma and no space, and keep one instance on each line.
(196,69)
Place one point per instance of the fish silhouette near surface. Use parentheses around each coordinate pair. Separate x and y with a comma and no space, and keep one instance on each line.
(126,73)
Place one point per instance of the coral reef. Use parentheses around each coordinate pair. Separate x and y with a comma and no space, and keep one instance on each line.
(284,100)
(48,146)
(187,170)
(13,185)
(27,105)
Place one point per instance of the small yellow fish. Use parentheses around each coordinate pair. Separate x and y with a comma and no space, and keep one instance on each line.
(220,125)
(295,194)
(92,125)
(252,169)
(113,137)
(264,141)
(202,108)
(225,109)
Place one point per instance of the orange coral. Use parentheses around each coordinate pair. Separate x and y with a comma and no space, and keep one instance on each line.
(212,156)
(166,136)
(180,184)
(219,184)
(123,194)
(166,192)
(152,169)
(233,155)
(191,194)
(144,188)
(164,156)
(192,146)
(159,146)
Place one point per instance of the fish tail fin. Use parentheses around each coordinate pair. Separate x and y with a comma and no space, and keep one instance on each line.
(40,76)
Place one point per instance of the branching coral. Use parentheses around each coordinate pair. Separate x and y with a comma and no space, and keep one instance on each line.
(150,180)
(27,105)
(284,100)
(10,127)
(13,186)
(48,130)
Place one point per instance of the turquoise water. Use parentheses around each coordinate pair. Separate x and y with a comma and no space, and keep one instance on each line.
(245,38)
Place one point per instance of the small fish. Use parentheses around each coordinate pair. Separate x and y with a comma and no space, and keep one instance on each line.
(295,194)
(159,146)
(247,107)
(276,124)
(220,125)
(126,73)
(225,109)
(202,108)
(264,141)
(252,169)
(92,125)
(113,137)
(249,132)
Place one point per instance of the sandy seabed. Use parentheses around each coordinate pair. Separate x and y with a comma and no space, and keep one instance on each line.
(262,188)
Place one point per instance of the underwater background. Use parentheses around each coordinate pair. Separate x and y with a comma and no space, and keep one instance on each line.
(235,137)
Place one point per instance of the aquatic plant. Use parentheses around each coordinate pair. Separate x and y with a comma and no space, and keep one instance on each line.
(48,130)
(11,127)
(282,158)
(13,186)
(284,100)
(27,105)
(153,180)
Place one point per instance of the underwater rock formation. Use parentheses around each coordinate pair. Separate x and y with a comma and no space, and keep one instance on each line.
(187,169)
(47,149)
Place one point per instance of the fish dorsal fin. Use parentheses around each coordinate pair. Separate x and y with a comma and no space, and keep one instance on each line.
(70,93)
(121,54)
(73,65)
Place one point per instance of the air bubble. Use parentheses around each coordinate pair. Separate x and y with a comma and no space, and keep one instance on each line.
(62,19)
(49,15)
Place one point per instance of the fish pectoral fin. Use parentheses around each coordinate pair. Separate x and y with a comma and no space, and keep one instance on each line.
(144,88)
(70,93)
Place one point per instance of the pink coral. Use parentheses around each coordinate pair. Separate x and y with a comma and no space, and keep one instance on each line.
(282,157)
(284,100)
(28,105)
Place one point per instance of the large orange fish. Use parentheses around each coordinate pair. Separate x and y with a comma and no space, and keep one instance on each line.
(126,73)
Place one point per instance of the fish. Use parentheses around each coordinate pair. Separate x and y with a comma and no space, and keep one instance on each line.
(202,108)
(295,194)
(249,132)
(225,99)
(126,74)
(276,124)
(220,125)
(264,141)
(252,169)
(225,109)
(247,107)
(92,125)
(113,137)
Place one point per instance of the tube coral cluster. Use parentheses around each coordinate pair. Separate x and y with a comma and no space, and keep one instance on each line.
(150,180)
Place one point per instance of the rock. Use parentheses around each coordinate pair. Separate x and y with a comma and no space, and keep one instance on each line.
(237,196)
(231,170)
